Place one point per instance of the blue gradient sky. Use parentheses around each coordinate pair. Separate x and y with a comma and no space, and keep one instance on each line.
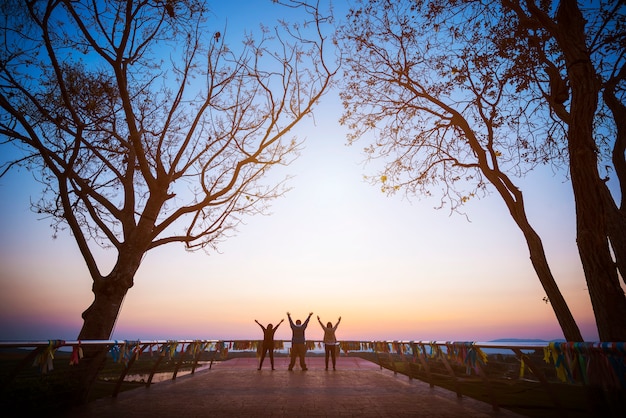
(393,268)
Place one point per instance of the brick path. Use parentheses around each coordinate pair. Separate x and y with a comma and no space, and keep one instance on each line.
(357,388)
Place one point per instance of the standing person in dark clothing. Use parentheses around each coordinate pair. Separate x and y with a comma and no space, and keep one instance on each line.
(268,342)
(330,341)
(298,341)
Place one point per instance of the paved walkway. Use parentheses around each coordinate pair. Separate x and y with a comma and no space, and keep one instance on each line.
(358,388)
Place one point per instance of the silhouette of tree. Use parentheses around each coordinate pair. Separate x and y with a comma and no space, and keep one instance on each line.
(147,128)
(464,96)
(579,54)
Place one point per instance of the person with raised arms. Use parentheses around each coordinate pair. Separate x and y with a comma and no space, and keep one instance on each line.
(268,342)
(330,340)
(298,341)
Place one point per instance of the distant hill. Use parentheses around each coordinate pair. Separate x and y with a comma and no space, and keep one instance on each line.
(525,340)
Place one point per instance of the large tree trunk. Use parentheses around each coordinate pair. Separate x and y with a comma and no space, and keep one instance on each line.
(607,296)
(616,227)
(616,215)
(109,292)
(100,317)
(99,320)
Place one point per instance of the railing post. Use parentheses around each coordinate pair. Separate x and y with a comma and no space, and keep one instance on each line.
(421,360)
(542,379)
(156,365)
(120,381)
(197,345)
(180,362)
(455,380)
(490,392)
(390,354)
(415,349)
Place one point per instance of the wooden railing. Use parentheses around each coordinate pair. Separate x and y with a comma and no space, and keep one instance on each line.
(593,374)
(443,363)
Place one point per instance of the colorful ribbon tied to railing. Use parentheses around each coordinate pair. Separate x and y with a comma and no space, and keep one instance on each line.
(169,349)
(617,359)
(609,367)
(115,352)
(553,353)
(195,347)
(381,347)
(417,350)
(222,348)
(245,345)
(348,346)
(453,352)
(45,359)
(398,347)
(435,350)
(473,357)
(401,349)
(578,356)
(128,350)
(77,354)
(522,367)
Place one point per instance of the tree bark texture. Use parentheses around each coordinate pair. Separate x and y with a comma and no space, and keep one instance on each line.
(100,318)
(616,214)
(592,223)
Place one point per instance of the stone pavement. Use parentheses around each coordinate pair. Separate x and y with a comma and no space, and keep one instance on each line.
(235,388)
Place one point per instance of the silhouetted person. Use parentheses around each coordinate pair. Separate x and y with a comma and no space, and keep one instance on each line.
(268,342)
(330,341)
(298,342)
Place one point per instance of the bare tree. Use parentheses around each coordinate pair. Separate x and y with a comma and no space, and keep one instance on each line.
(428,80)
(146,127)
(580,51)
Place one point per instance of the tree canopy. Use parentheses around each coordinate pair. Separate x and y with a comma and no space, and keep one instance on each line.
(462,98)
(148,126)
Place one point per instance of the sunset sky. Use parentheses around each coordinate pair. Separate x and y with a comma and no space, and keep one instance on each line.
(391,267)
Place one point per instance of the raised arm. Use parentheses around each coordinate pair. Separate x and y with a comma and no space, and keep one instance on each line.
(307,319)
(337,324)
(262,327)
(320,321)
(277,325)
